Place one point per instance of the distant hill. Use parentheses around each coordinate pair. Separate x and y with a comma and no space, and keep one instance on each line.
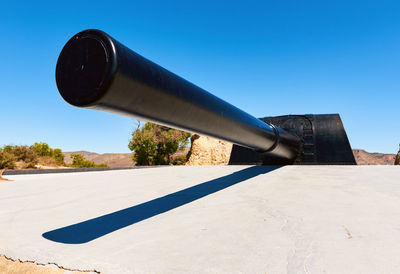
(110,159)
(124,159)
(366,158)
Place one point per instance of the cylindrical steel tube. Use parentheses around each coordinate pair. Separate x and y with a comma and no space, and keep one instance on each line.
(96,71)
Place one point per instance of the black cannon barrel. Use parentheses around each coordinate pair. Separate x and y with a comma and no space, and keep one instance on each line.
(96,71)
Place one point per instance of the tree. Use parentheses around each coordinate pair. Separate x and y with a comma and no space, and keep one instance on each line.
(154,144)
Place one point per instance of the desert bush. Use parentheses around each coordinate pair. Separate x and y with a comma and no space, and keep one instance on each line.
(22,155)
(179,160)
(80,162)
(7,160)
(8,148)
(19,157)
(154,144)
(58,156)
(42,149)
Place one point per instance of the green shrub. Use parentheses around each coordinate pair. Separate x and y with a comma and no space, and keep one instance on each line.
(154,144)
(24,153)
(21,154)
(42,149)
(58,156)
(179,160)
(28,157)
(80,162)
(8,148)
(7,160)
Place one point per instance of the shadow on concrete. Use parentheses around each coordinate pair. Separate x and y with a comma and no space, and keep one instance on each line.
(89,230)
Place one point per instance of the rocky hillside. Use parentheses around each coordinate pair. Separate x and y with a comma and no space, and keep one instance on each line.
(366,158)
(110,159)
(208,151)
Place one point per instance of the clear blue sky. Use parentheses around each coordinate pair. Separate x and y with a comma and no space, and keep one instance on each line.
(266,57)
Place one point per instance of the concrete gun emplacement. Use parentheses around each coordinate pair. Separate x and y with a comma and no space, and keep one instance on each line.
(96,71)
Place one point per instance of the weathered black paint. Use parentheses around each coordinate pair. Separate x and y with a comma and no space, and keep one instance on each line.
(323,139)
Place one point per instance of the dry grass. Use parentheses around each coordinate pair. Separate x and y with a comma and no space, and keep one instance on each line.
(47,161)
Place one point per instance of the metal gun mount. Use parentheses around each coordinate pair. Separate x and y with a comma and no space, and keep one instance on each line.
(96,71)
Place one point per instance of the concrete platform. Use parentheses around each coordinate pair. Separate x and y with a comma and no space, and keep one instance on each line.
(207,219)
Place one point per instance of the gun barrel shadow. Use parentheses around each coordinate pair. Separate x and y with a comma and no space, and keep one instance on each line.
(89,230)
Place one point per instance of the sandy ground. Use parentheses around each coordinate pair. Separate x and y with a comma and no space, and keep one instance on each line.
(10,266)
(2,179)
